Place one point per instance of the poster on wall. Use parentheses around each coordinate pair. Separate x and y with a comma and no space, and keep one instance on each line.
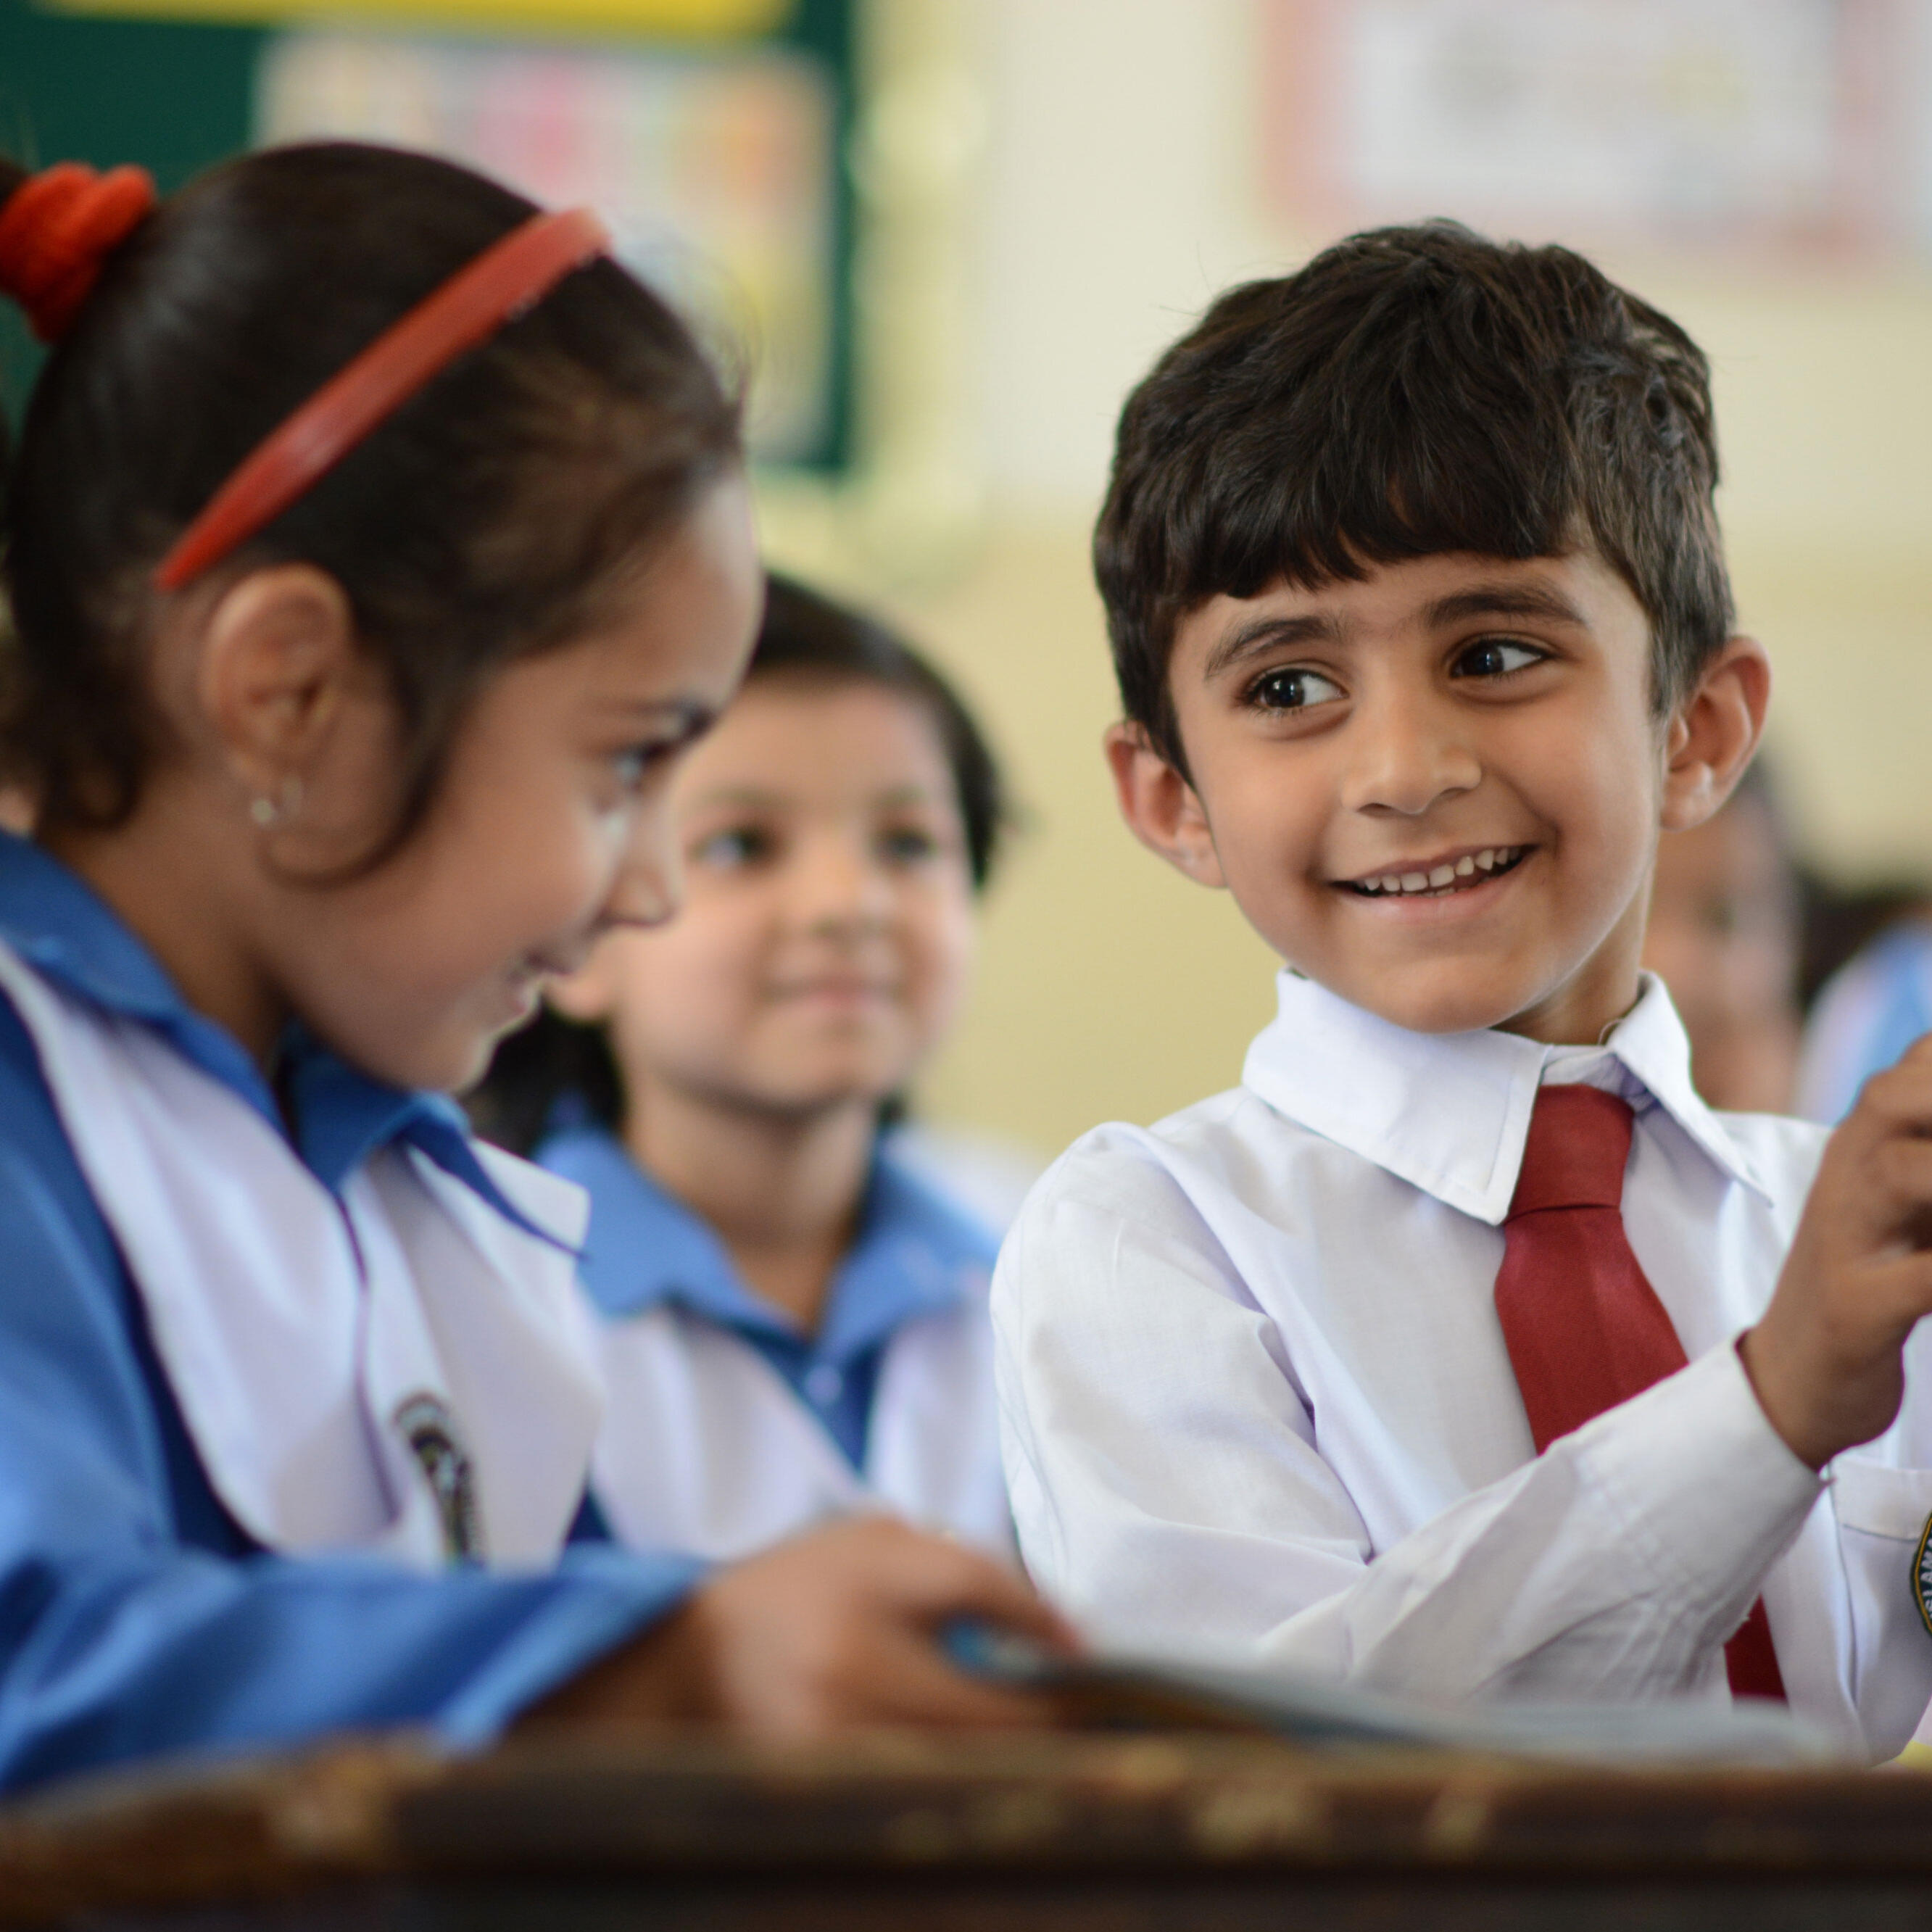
(1767,126)
(714,172)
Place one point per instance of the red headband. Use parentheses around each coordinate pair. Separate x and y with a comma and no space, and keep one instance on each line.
(57,229)
(506,279)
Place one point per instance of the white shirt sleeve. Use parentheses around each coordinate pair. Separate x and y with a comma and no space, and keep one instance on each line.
(1195,1510)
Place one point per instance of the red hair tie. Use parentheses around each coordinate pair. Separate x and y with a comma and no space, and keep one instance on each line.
(57,229)
(506,279)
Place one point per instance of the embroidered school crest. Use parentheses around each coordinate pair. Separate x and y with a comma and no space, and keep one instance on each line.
(424,1422)
(1921,1574)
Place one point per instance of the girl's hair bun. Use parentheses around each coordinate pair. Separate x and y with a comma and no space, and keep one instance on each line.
(57,229)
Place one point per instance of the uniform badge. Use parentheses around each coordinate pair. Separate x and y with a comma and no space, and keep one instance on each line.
(1921,1574)
(425,1423)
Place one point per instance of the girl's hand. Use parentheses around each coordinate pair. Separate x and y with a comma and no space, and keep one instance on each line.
(1827,1359)
(838,1630)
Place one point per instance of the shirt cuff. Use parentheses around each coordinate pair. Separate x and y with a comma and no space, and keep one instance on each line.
(601,1599)
(1700,1477)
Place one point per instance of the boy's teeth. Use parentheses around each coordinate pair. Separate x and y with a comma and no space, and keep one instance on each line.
(1441,877)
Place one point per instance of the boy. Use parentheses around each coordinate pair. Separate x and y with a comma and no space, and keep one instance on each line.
(1410,1362)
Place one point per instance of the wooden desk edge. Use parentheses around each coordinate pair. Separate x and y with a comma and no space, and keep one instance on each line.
(382,1810)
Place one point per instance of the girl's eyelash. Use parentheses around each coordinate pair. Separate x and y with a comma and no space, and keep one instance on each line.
(636,760)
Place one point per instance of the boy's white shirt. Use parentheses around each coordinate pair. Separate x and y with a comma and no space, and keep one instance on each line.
(294,1328)
(1254,1394)
(706,1447)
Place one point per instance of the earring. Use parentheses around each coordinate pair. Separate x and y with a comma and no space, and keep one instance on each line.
(269,812)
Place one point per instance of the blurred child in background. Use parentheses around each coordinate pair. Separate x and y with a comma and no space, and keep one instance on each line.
(1725,935)
(793,1319)
(1871,1009)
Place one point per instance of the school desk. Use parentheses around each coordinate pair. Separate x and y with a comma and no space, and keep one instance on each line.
(1142,1833)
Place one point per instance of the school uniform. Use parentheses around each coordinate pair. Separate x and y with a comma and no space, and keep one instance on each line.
(1869,1012)
(1256,1395)
(729,1428)
(294,1420)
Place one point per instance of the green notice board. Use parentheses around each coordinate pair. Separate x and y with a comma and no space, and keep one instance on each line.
(177,96)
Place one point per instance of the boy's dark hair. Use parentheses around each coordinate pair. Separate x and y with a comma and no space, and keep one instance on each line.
(805,637)
(493,515)
(1413,392)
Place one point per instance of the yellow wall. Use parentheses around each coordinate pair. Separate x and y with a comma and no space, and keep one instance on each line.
(1117,195)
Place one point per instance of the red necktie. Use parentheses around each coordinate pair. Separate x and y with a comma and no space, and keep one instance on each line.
(1584,1329)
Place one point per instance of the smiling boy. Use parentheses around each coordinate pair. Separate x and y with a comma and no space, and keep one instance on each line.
(1415,1361)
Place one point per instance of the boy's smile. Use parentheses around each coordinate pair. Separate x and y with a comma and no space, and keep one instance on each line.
(1438,790)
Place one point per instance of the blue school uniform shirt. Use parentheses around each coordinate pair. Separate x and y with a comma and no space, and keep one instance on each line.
(645,1247)
(1869,1013)
(135,1616)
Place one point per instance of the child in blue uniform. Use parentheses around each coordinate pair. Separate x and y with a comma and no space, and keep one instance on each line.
(376,547)
(793,1319)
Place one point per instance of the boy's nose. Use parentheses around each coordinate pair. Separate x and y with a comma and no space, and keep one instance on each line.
(1407,757)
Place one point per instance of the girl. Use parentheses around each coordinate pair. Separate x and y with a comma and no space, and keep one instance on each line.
(794,1322)
(377,548)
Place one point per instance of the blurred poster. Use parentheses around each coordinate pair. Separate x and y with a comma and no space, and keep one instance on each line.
(1775,125)
(715,172)
(712,17)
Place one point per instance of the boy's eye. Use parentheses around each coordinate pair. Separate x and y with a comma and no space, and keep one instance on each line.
(1294,689)
(737,845)
(1495,657)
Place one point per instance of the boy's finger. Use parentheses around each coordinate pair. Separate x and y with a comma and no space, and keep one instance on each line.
(1899,1099)
(1901,1164)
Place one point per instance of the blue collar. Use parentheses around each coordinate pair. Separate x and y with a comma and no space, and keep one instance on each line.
(57,922)
(915,1253)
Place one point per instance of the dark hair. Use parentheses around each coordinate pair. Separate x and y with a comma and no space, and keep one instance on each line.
(810,636)
(804,636)
(1412,392)
(491,516)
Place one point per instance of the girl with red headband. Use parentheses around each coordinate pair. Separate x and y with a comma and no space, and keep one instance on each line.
(376,546)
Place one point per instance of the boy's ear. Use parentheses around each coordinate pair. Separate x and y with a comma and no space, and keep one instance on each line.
(1713,732)
(278,658)
(1160,806)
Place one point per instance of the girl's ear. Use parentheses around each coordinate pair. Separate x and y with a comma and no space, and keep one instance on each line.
(1713,732)
(278,660)
(1160,806)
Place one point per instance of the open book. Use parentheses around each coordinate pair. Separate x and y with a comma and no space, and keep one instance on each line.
(1112,1689)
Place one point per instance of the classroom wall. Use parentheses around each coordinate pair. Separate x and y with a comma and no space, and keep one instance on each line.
(1116,192)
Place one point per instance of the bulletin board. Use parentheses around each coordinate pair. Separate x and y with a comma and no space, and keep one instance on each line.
(711,134)
(1773,128)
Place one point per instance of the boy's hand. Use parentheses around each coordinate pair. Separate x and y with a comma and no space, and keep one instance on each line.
(838,1630)
(1827,1361)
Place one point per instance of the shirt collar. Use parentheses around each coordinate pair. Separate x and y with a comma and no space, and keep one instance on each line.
(915,1254)
(1449,1112)
(62,928)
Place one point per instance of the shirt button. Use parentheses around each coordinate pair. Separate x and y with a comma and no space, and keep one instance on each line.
(824,1385)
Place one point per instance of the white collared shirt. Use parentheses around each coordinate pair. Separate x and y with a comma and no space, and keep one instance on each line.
(1254,1394)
